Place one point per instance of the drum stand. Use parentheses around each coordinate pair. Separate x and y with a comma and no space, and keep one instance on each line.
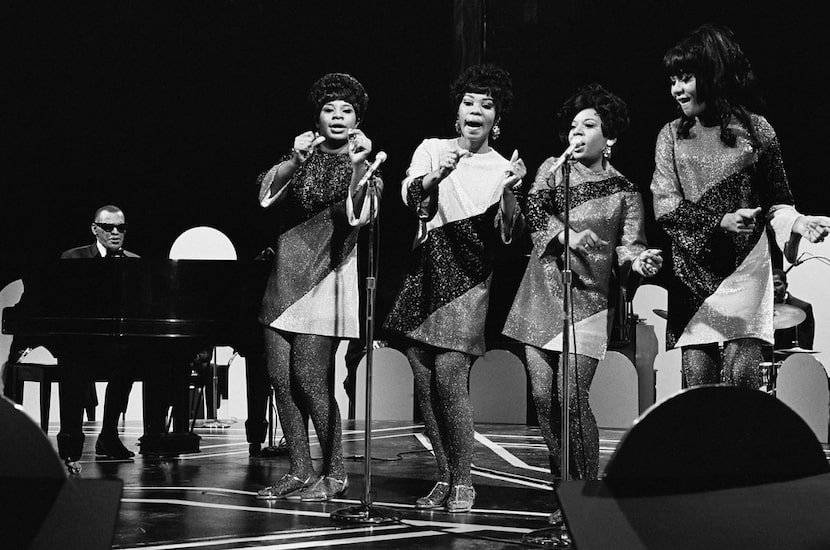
(365,512)
(213,421)
(557,536)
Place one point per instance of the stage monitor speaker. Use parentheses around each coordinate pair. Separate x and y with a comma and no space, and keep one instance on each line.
(42,508)
(711,467)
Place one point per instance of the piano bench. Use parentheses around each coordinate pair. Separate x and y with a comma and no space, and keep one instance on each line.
(45,375)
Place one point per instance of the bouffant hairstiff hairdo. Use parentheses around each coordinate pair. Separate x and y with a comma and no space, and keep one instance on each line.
(611,109)
(485,79)
(334,86)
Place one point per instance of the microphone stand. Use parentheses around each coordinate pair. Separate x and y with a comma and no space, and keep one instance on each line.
(557,536)
(365,512)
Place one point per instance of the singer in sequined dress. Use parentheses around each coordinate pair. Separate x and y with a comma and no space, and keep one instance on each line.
(606,243)
(311,298)
(719,180)
(461,191)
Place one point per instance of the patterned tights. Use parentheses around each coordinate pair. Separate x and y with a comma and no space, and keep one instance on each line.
(441,388)
(584,435)
(301,367)
(738,367)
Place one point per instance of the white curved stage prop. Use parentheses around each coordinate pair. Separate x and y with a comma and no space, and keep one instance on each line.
(802,384)
(392,387)
(614,393)
(498,388)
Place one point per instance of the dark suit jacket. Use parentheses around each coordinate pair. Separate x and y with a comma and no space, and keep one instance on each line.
(90,251)
(802,334)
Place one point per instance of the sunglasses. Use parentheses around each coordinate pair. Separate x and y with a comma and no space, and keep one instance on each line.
(110,227)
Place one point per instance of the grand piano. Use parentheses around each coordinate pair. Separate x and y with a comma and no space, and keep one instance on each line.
(159,313)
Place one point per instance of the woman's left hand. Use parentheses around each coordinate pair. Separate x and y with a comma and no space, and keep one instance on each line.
(648,263)
(359,146)
(514,173)
(812,228)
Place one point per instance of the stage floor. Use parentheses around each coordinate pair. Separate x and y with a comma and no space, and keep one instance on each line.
(207,500)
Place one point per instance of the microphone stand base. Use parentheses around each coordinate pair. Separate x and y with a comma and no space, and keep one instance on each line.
(366,514)
(271,452)
(549,537)
(213,424)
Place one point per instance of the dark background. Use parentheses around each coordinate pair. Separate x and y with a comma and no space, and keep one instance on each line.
(171,109)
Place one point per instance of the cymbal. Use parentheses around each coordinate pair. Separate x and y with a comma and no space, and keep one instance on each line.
(786,316)
(662,313)
(795,350)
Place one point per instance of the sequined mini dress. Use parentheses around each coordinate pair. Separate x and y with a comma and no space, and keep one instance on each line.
(605,202)
(313,287)
(444,297)
(721,288)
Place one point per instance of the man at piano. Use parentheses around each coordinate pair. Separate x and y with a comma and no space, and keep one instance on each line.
(109,229)
(800,335)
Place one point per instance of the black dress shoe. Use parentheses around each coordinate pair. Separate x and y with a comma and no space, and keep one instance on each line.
(111,447)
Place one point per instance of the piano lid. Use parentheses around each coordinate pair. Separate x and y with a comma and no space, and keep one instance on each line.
(137,297)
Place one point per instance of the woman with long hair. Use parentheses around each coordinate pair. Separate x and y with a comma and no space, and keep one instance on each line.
(718,183)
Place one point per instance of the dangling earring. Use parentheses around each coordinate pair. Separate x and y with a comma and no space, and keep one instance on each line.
(495,132)
(457,127)
(606,152)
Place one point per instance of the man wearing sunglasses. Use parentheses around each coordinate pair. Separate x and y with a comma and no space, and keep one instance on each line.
(109,229)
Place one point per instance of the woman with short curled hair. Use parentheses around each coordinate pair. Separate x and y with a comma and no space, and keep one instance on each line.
(462,192)
(311,299)
(606,244)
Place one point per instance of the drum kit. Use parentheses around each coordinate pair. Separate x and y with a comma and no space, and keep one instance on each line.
(784,316)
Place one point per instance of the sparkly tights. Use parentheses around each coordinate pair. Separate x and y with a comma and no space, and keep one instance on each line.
(584,435)
(441,388)
(301,367)
(738,366)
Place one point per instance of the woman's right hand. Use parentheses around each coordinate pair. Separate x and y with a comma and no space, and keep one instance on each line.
(303,145)
(449,161)
(741,221)
(584,240)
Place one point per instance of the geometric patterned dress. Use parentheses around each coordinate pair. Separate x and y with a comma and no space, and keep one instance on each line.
(722,284)
(610,205)
(444,297)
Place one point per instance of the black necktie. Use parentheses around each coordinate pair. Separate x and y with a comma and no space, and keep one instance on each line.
(115,254)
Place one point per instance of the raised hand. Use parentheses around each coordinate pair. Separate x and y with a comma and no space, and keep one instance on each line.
(585,240)
(359,146)
(515,173)
(304,144)
(740,221)
(813,228)
(648,263)
(449,161)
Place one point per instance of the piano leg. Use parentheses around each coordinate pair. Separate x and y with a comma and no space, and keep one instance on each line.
(166,388)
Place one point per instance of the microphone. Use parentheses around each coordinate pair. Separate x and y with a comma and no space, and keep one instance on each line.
(379,159)
(566,155)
